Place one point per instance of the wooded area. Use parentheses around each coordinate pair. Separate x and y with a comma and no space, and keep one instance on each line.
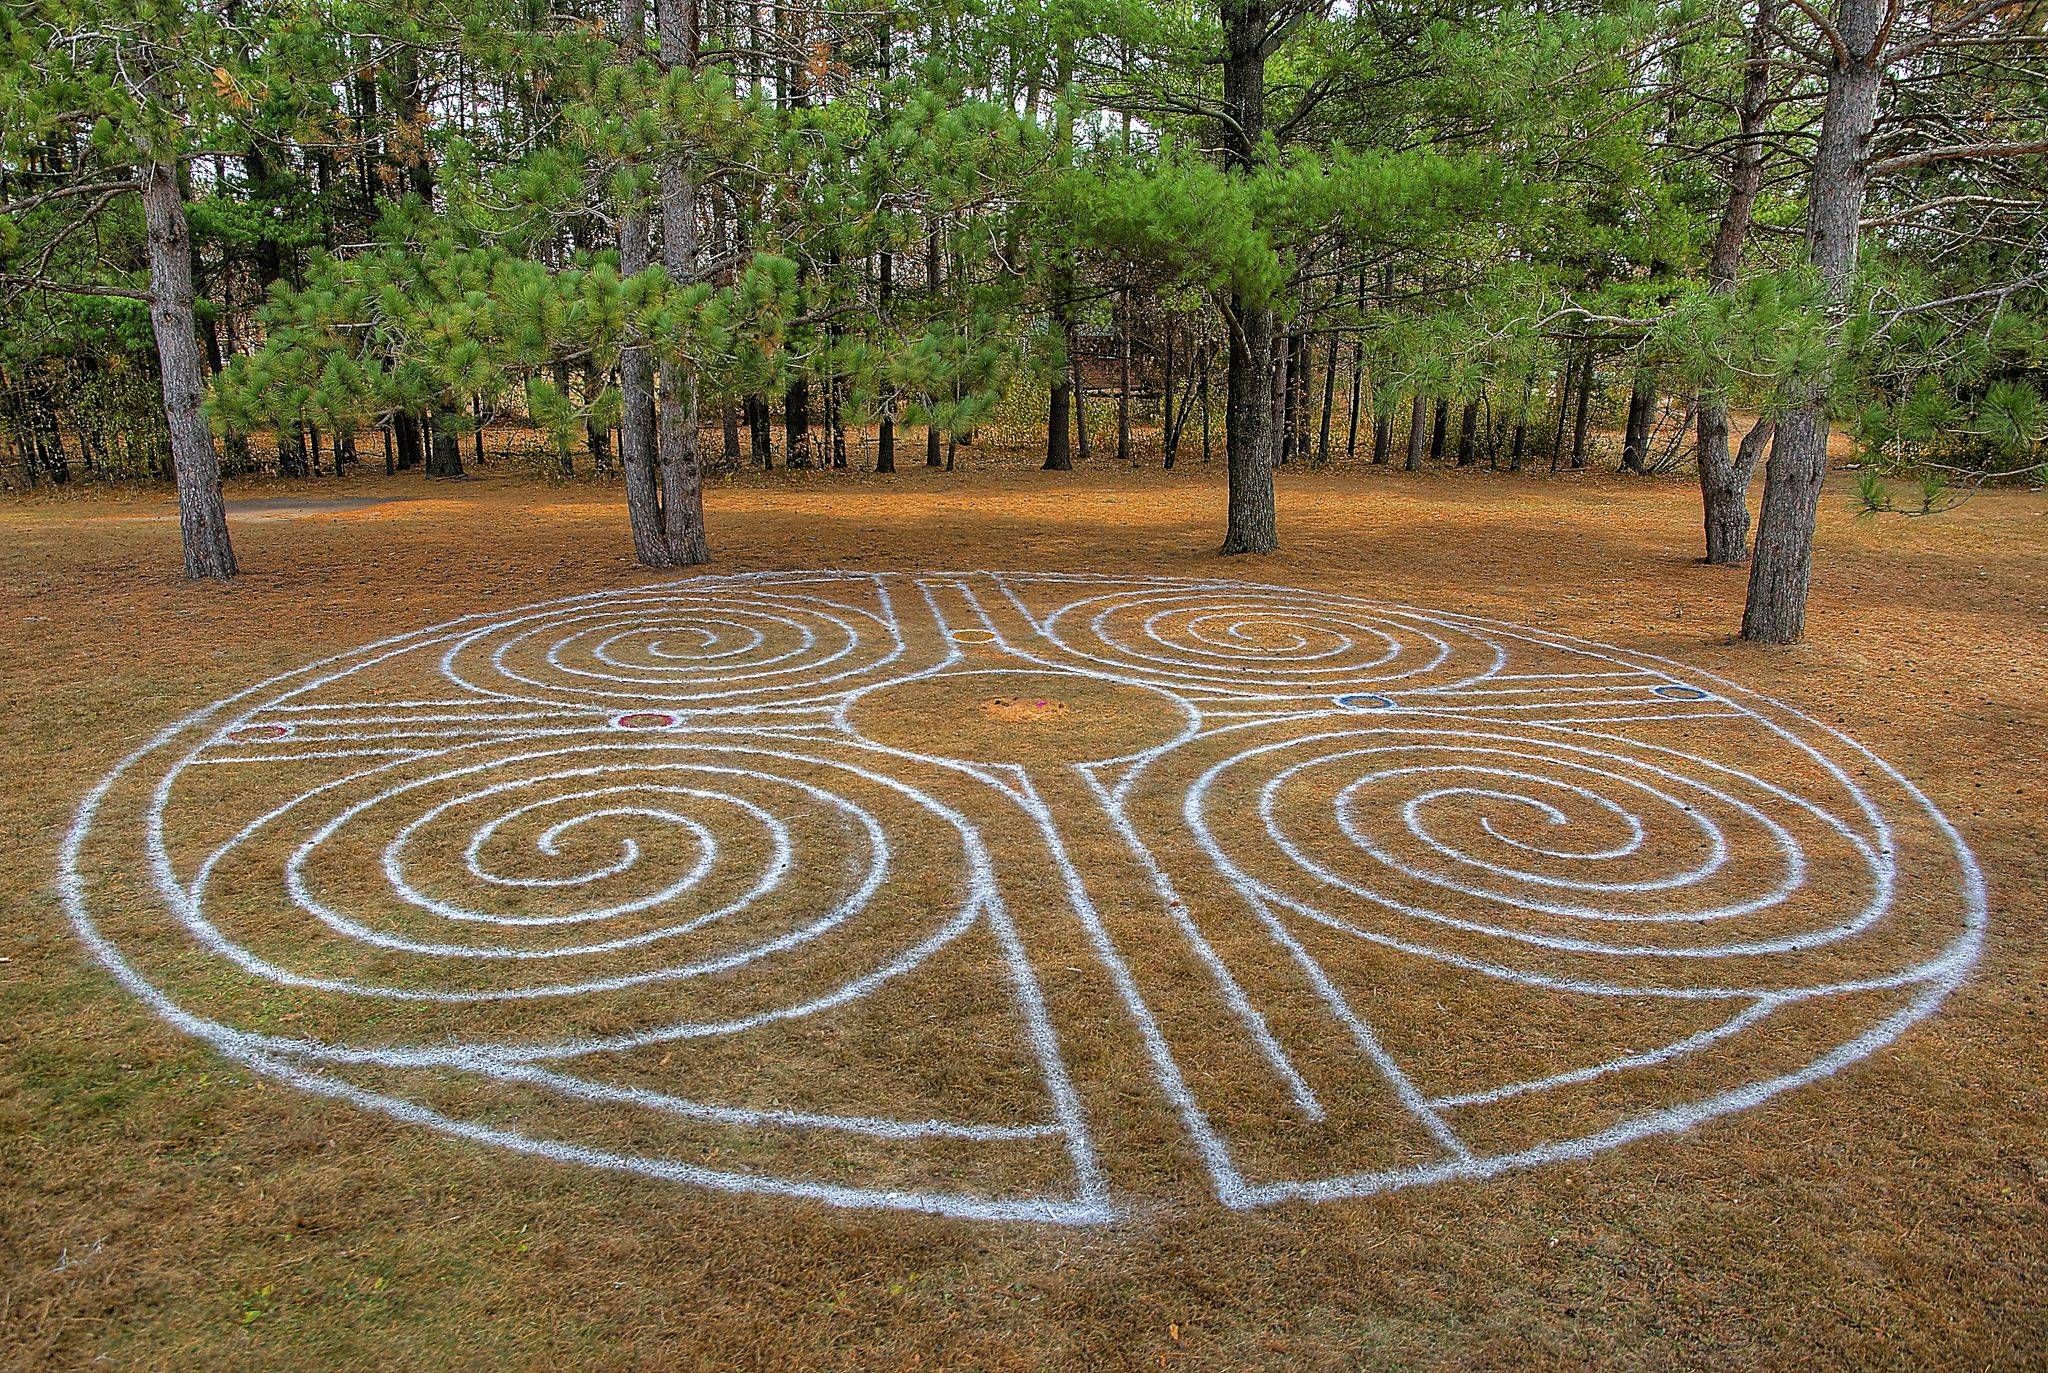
(685,236)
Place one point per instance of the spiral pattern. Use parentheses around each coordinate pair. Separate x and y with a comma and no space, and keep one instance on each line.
(1256,640)
(690,648)
(1496,844)
(761,884)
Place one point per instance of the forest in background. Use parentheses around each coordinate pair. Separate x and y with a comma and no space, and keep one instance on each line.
(677,237)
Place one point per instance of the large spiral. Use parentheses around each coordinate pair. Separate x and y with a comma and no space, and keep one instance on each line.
(1260,641)
(682,649)
(1633,864)
(693,880)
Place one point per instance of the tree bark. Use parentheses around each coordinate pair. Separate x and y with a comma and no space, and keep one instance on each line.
(1252,525)
(1724,492)
(1057,423)
(1468,435)
(931,282)
(1438,427)
(202,517)
(1330,400)
(1775,611)
(1078,391)
(636,420)
(885,431)
(444,450)
(1635,439)
(682,472)
(1585,401)
(1123,381)
(1418,431)
(596,437)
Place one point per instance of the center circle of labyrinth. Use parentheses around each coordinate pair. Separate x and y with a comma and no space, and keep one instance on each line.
(883,889)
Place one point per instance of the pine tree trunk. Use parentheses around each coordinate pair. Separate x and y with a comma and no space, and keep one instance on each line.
(565,451)
(1283,398)
(760,441)
(1724,494)
(1635,440)
(1357,399)
(931,282)
(444,450)
(1252,525)
(1169,421)
(597,437)
(1438,428)
(1329,400)
(1079,391)
(1468,435)
(1775,612)
(1418,431)
(1585,401)
(1057,422)
(1299,369)
(636,419)
(202,517)
(682,472)
(1123,381)
(1564,407)
(796,425)
(885,432)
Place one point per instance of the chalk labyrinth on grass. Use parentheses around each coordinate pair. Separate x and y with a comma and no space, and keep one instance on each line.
(1022,896)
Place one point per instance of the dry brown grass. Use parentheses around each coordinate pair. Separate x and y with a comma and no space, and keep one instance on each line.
(166,1208)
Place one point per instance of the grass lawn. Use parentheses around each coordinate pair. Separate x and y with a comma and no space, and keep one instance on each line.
(169,1206)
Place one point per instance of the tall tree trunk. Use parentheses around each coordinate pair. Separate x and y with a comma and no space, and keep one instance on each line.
(1252,525)
(1283,398)
(1078,385)
(1565,383)
(202,517)
(1585,401)
(1775,612)
(1057,424)
(1169,422)
(682,473)
(796,425)
(1059,396)
(1635,439)
(636,367)
(596,437)
(444,448)
(1123,380)
(1418,431)
(1357,398)
(1329,400)
(1438,428)
(932,457)
(636,418)
(1724,486)
(565,448)
(885,432)
(760,441)
(1468,434)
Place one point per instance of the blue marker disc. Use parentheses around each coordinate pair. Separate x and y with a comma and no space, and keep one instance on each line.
(1364,700)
